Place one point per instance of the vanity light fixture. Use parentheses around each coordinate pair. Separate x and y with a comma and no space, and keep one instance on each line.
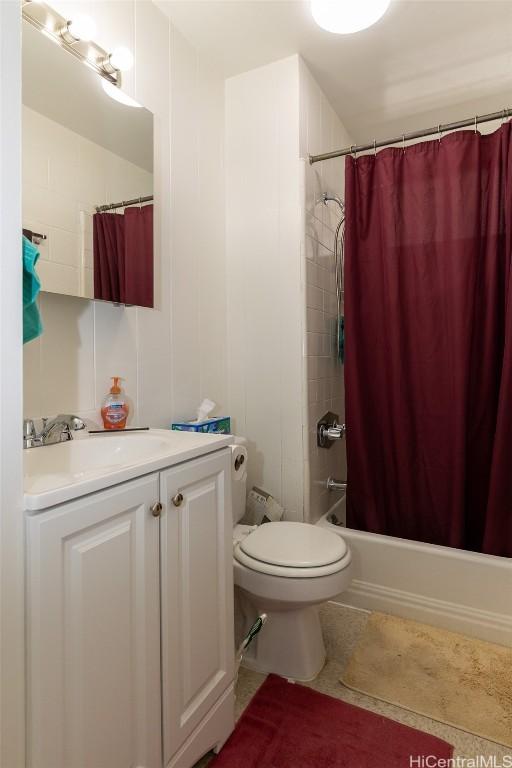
(75,36)
(347,16)
(70,35)
(122,59)
(82,28)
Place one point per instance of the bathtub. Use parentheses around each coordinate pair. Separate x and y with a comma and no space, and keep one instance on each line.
(462,591)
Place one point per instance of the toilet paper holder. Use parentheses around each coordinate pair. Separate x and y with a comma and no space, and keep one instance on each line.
(239,461)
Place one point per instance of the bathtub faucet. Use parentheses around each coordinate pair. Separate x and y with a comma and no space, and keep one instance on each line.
(335,485)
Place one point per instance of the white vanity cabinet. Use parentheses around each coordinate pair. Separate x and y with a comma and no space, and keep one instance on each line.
(197,605)
(128,609)
(94,631)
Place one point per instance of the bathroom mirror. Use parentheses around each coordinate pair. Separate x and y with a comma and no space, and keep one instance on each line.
(83,150)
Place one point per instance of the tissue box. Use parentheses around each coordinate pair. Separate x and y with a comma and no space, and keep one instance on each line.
(220,425)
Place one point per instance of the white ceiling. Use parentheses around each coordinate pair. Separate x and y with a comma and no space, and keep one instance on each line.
(424,62)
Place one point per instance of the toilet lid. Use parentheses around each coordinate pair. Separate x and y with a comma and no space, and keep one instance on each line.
(294,545)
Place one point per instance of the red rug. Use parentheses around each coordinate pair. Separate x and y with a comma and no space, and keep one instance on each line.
(287,725)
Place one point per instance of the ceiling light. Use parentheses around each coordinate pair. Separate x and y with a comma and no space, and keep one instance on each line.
(80,28)
(347,16)
(122,59)
(118,95)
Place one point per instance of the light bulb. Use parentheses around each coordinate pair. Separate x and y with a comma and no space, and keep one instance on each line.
(122,59)
(118,95)
(347,16)
(82,27)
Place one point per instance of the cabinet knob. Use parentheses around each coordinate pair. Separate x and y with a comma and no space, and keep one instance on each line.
(177,500)
(156,509)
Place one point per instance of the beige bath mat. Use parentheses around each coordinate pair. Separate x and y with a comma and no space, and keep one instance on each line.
(460,681)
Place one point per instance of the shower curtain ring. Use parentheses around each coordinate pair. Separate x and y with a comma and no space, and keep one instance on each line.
(375,147)
(476,121)
(403,143)
(439,132)
(353,149)
(503,116)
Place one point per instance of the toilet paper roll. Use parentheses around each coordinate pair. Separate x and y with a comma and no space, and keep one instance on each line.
(238,462)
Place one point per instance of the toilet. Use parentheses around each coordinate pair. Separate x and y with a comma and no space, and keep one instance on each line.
(285,570)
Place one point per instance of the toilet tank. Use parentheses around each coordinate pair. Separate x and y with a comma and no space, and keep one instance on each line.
(238,477)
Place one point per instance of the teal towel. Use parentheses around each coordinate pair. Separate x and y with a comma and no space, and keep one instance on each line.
(341,339)
(32,326)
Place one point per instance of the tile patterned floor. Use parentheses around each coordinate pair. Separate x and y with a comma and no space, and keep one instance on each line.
(342,627)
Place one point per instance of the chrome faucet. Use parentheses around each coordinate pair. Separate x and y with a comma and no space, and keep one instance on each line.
(336,485)
(328,430)
(56,430)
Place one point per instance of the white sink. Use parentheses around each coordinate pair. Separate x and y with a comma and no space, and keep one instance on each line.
(57,473)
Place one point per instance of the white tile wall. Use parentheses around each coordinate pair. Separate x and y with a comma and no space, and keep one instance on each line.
(283,372)
(197,232)
(320,131)
(175,354)
(264,275)
(72,176)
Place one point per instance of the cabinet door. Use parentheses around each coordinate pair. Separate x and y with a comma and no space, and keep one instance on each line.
(197,593)
(93,631)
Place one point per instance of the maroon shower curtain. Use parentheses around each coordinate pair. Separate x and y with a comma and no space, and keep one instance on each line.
(108,252)
(123,256)
(428,321)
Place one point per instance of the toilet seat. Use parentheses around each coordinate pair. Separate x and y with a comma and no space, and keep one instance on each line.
(293,550)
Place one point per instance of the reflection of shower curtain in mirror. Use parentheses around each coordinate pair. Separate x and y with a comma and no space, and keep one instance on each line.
(123,256)
(428,318)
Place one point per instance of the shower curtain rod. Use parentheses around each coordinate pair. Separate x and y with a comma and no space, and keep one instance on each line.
(440,129)
(124,203)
